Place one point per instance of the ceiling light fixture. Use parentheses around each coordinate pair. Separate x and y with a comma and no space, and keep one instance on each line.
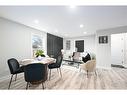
(36,21)
(56,31)
(84,32)
(81,25)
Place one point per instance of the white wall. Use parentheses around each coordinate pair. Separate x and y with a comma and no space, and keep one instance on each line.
(89,43)
(103,51)
(15,41)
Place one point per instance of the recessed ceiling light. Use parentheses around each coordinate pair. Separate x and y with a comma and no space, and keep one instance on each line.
(84,32)
(36,21)
(81,25)
(56,31)
(72,6)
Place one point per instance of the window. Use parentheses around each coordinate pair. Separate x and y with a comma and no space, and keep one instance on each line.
(36,43)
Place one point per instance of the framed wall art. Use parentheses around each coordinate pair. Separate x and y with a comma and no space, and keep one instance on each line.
(68,45)
(103,39)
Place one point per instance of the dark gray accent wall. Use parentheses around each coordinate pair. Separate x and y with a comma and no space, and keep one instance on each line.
(54,45)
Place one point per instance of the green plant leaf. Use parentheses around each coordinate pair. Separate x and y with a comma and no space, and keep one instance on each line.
(39,53)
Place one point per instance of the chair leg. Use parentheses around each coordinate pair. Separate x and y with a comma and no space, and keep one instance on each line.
(27,85)
(95,73)
(15,77)
(43,86)
(57,71)
(10,82)
(78,65)
(60,72)
(50,74)
(79,69)
(47,70)
(87,73)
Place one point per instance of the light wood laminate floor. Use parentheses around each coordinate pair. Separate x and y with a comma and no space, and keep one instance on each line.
(72,78)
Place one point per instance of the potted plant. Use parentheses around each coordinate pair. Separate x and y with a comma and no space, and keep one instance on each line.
(40,53)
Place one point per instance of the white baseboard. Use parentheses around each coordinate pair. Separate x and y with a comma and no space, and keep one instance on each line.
(101,67)
(125,65)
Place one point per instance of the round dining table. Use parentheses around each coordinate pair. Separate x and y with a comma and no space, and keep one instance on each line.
(43,60)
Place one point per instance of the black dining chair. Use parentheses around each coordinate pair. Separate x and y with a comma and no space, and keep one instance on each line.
(56,65)
(15,69)
(35,73)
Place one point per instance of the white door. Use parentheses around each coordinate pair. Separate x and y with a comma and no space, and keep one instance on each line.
(117,49)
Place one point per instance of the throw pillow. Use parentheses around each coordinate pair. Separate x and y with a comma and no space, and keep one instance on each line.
(86,58)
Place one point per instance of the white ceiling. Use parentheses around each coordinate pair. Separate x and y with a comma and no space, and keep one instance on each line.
(65,21)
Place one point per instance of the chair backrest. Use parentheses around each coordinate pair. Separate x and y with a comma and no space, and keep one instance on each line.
(13,65)
(89,65)
(59,60)
(86,58)
(35,72)
(76,55)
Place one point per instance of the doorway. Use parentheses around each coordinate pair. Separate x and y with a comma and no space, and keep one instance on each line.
(119,49)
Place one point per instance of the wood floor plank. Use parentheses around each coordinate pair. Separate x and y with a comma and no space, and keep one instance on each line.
(73,79)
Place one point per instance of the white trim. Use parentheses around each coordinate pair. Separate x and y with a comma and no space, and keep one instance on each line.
(101,67)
